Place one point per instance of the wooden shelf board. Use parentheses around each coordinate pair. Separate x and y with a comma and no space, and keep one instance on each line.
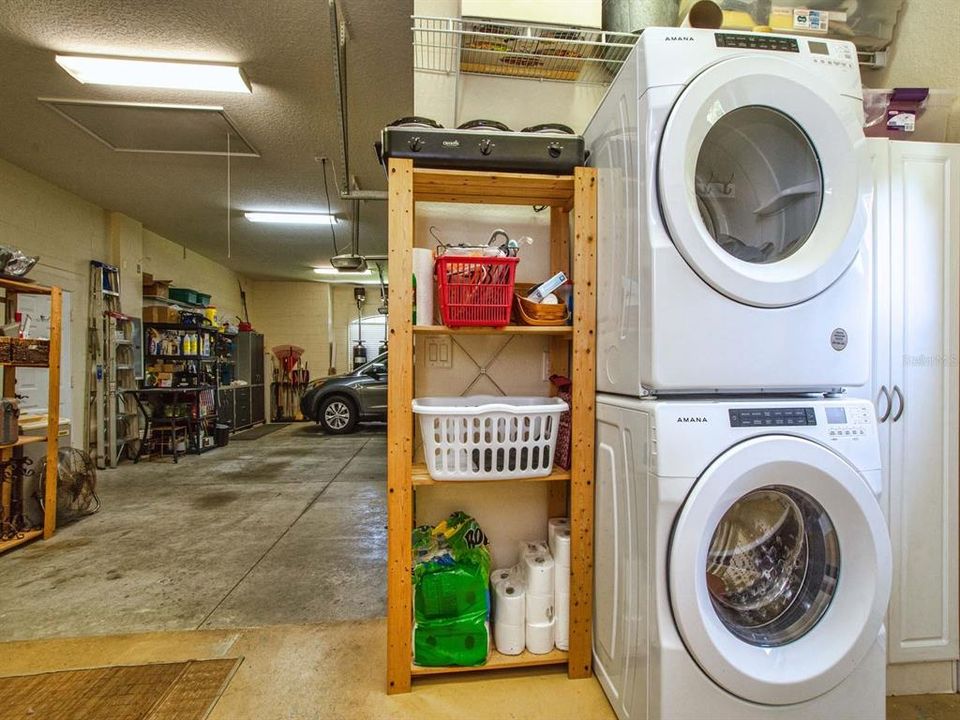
(25,440)
(20,364)
(420,476)
(24,287)
(541,330)
(496,661)
(27,537)
(464,186)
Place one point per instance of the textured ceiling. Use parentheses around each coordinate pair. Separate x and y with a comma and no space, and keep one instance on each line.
(284,47)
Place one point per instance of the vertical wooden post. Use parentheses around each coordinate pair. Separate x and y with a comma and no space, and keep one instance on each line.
(53,415)
(400,427)
(559,346)
(582,439)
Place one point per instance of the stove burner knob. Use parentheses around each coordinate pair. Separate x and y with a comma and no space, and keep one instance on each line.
(486,146)
(554,149)
(415,144)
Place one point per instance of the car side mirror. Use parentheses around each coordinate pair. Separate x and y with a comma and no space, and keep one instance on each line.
(376,372)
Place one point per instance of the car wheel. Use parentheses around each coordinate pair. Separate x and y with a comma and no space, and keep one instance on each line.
(338,415)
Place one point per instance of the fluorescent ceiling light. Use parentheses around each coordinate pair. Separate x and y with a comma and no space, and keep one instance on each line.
(100,70)
(334,271)
(291,218)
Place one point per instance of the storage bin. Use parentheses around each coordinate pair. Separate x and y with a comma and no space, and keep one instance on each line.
(489,438)
(475,291)
(185,295)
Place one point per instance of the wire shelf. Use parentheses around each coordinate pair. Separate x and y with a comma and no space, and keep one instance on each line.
(484,47)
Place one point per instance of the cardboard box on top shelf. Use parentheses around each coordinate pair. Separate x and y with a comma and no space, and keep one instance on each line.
(160,314)
(156,288)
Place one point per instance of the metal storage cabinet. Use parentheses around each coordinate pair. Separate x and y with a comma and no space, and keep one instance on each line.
(225,411)
(241,407)
(248,402)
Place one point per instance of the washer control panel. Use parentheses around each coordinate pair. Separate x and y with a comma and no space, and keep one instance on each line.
(847,422)
(772,417)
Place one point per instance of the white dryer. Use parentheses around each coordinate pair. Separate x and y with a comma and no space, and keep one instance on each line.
(742,561)
(734,196)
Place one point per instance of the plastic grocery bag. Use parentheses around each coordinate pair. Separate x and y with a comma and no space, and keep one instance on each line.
(451,600)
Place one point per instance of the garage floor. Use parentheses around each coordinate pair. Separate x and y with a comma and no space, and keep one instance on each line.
(286,529)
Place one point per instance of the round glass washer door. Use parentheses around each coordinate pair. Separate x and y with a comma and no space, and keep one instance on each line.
(779,570)
(764,180)
(773,565)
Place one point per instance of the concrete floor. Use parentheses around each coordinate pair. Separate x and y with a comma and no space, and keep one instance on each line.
(288,531)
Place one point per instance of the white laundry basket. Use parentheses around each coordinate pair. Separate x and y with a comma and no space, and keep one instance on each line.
(489,438)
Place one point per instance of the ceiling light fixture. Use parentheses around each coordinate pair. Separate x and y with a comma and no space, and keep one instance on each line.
(291,218)
(138,72)
(334,271)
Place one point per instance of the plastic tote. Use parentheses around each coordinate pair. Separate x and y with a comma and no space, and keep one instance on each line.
(489,438)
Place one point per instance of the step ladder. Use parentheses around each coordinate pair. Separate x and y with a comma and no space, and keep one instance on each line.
(112,368)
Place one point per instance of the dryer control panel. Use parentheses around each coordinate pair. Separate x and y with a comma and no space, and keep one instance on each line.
(847,422)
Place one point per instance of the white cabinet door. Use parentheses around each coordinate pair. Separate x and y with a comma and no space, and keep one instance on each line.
(925,267)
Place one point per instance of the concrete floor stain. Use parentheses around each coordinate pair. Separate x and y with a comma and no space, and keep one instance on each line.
(214,500)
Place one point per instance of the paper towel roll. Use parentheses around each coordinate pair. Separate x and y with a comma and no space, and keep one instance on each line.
(552,525)
(701,14)
(539,571)
(509,639)
(562,621)
(532,547)
(561,582)
(509,603)
(498,576)
(561,547)
(540,638)
(423,271)
(539,609)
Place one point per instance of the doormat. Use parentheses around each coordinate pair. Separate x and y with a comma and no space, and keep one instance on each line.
(259,431)
(160,691)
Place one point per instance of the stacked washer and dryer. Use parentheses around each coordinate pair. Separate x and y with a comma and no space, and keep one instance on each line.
(742,560)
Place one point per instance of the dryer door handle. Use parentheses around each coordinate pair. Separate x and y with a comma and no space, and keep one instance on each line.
(886,394)
(903,403)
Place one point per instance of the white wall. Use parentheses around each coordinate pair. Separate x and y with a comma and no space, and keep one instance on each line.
(925,53)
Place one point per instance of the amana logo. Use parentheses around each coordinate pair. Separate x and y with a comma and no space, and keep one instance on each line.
(670,38)
(692,419)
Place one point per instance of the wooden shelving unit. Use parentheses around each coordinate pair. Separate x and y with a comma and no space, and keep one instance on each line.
(12,288)
(572,201)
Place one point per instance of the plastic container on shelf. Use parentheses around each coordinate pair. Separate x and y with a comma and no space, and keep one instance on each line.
(930,115)
(475,291)
(489,438)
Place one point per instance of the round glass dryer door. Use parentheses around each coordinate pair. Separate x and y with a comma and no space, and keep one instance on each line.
(758,184)
(779,570)
(764,180)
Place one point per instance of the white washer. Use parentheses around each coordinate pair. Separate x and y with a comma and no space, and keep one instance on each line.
(742,565)
(734,200)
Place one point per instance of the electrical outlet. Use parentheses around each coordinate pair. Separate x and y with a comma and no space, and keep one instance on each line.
(439,351)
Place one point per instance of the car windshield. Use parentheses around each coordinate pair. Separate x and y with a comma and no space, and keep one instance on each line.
(379,360)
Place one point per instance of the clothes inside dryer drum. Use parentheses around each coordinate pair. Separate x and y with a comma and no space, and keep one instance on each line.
(758,184)
(773,566)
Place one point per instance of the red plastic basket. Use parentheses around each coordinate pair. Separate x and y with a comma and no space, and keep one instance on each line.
(475,291)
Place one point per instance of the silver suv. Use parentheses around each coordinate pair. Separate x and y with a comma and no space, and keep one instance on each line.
(339,402)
